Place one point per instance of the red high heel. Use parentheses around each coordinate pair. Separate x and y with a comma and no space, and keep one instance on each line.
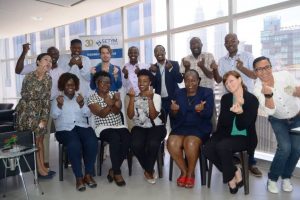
(181,181)
(189,182)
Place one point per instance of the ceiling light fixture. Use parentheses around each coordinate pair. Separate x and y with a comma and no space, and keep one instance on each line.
(37,18)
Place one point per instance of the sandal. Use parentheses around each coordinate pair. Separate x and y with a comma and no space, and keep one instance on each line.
(181,181)
(189,182)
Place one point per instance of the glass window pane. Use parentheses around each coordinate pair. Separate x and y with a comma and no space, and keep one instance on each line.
(242,5)
(33,44)
(77,29)
(47,39)
(111,23)
(193,11)
(93,26)
(62,38)
(151,14)
(277,36)
(211,37)
(18,41)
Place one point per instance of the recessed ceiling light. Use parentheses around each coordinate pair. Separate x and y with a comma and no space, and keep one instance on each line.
(37,18)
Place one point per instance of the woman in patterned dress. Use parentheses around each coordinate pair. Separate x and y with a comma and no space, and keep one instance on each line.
(34,106)
(106,107)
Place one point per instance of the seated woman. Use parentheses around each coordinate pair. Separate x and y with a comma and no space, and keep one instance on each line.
(70,114)
(148,130)
(190,116)
(34,107)
(235,130)
(106,107)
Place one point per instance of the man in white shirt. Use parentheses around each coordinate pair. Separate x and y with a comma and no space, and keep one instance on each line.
(55,73)
(77,64)
(131,69)
(278,96)
(241,62)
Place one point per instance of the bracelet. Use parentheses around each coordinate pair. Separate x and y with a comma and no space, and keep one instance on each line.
(268,96)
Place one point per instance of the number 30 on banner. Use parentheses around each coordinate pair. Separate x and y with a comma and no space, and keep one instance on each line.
(89,42)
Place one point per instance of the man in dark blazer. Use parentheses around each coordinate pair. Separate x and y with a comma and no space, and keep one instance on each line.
(167,77)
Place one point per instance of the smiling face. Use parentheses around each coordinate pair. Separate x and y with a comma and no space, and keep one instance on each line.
(263,70)
(76,49)
(70,88)
(196,46)
(103,84)
(231,44)
(144,83)
(105,55)
(160,54)
(232,83)
(133,54)
(191,82)
(45,63)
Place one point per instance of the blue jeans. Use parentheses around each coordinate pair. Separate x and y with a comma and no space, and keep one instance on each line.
(288,147)
(80,142)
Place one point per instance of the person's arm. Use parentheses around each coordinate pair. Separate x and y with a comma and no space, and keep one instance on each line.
(55,110)
(130,107)
(96,109)
(177,76)
(153,113)
(208,106)
(246,68)
(20,62)
(46,101)
(201,65)
(215,72)
(249,114)
(85,70)
(118,79)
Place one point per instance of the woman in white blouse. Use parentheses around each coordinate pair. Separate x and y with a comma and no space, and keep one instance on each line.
(70,114)
(148,129)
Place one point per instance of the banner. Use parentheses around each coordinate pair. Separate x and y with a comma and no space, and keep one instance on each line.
(91,44)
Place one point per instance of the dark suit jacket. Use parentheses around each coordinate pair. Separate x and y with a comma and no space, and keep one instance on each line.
(172,78)
(246,120)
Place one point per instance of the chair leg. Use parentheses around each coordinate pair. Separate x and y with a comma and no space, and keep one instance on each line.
(171,169)
(101,154)
(160,162)
(202,167)
(245,171)
(129,161)
(66,159)
(210,167)
(60,160)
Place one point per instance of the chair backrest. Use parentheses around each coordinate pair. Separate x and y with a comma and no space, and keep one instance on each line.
(163,116)
(6,106)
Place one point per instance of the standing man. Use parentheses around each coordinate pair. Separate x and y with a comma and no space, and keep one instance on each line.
(240,61)
(203,63)
(167,77)
(278,95)
(131,69)
(55,73)
(77,64)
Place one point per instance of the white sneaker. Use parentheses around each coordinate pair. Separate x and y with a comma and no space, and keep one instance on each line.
(287,185)
(272,187)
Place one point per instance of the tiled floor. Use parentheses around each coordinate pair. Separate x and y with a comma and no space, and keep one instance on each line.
(138,188)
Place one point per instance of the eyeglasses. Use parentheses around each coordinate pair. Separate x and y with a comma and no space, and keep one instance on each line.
(262,69)
(104,81)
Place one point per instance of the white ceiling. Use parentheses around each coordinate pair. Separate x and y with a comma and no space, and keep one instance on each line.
(17,15)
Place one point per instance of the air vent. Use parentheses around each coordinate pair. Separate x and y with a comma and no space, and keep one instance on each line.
(62,3)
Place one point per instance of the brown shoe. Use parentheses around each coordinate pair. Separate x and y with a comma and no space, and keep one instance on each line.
(255,171)
(88,179)
(80,185)
(119,180)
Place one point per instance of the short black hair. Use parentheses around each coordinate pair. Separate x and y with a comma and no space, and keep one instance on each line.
(258,59)
(161,46)
(100,73)
(192,71)
(145,72)
(40,56)
(64,78)
(76,41)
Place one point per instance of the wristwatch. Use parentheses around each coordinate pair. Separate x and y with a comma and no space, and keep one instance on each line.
(268,96)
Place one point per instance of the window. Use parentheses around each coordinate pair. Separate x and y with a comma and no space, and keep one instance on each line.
(47,39)
(243,5)
(193,11)
(77,29)
(18,41)
(111,23)
(62,38)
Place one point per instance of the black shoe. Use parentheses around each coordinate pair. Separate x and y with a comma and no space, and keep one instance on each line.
(110,175)
(233,190)
(119,181)
(240,184)
(48,176)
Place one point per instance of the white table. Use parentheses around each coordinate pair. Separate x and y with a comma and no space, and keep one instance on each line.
(7,154)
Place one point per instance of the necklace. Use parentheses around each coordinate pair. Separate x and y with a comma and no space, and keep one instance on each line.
(191,100)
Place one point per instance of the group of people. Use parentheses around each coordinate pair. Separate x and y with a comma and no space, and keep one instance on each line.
(59,88)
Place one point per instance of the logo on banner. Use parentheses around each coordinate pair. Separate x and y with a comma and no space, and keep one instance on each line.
(110,41)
